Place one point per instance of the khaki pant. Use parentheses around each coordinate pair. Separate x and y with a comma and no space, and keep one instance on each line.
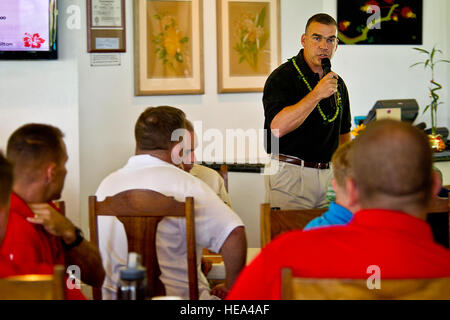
(297,187)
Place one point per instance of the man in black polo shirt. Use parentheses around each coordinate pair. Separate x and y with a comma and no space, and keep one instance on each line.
(309,112)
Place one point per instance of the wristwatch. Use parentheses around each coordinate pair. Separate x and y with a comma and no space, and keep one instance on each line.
(78,239)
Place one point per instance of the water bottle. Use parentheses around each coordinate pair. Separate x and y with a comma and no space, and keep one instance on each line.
(133,280)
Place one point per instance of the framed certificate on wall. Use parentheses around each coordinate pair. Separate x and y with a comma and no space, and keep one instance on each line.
(106,26)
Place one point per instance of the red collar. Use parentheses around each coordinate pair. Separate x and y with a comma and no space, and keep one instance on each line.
(395,220)
(19,206)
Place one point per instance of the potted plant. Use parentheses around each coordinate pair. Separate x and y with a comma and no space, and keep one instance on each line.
(430,63)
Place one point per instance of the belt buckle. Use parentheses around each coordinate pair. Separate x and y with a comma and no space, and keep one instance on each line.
(322,165)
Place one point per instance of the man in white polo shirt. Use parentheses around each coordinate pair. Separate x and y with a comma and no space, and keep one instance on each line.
(217,227)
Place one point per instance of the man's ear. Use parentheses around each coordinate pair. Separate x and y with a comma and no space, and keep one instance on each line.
(176,153)
(352,192)
(334,184)
(302,40)
(49,172)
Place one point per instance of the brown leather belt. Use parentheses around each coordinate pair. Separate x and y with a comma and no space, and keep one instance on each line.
(300,162)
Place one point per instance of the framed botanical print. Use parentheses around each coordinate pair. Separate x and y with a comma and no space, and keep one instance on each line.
(248,36)
(168,47)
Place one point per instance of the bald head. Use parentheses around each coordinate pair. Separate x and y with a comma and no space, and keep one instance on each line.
(392,166)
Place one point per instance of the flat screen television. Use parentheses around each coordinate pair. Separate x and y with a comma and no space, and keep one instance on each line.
(408,109)
(28,29)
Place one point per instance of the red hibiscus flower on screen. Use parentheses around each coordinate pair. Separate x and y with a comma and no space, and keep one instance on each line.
(33,41)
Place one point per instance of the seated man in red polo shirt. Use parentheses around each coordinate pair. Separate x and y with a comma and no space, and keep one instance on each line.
(393,181)
(37,234)
(7,267)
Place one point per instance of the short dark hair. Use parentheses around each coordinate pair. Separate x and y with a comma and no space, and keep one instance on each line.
(154,127)
(32,145)
(189,126)
(393,159)
(322,18)
(6,180)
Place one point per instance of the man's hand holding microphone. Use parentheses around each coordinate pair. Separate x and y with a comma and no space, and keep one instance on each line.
(328,85)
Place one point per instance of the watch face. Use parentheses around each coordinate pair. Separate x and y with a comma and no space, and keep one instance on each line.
(79,238)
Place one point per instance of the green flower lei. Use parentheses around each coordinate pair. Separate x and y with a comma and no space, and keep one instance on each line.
(339,106)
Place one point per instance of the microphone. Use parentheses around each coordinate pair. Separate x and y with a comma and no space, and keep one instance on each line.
(326,67)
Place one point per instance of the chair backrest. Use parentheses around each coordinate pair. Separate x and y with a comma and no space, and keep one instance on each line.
(140,211)
(439,220)
(293,288)
(276,222)
(34,286)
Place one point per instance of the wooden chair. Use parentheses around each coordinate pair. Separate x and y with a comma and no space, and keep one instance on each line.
(276,222)
(293,288)
(34,287)
(439,220)
(140,211)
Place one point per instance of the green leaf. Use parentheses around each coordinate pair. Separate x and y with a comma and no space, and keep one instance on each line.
(261,18)
(184,40)
(427,63)
(162,54)
(416,64)
(421,50)
(432,53)
(426,108)
(446,61)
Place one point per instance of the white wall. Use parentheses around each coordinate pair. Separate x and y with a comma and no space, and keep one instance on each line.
(46,92)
